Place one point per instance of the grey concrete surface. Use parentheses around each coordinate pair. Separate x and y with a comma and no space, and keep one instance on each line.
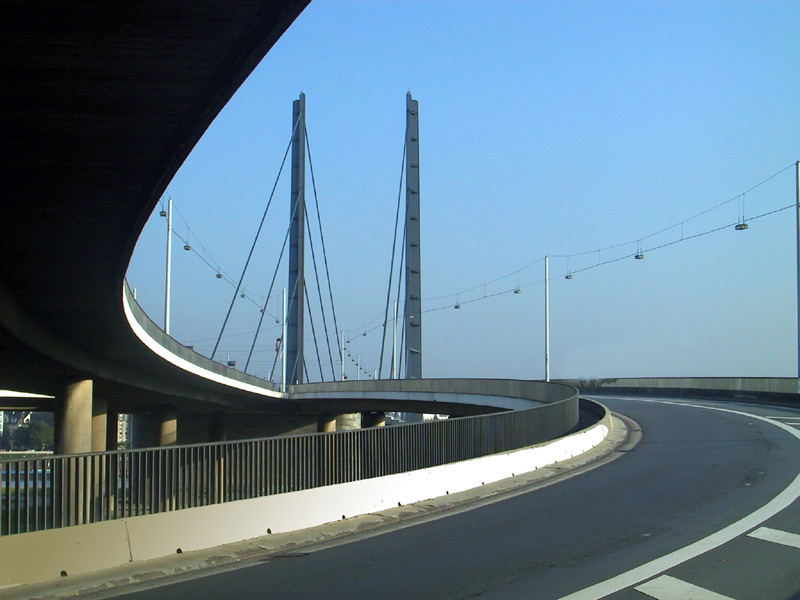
(102,104)
(780,385)
(693,473)
(146,575)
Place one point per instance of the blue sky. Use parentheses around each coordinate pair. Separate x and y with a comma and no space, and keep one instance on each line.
(545,128)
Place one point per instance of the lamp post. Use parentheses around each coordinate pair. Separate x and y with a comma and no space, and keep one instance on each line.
(797,213)
(169,264)
(546,318)
(394,343)
(283,345)
(341,352)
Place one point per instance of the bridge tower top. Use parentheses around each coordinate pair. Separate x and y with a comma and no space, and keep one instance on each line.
(413,303)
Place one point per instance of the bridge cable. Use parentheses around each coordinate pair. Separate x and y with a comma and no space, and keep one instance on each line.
(319,294)
(271,285)
(293,298)
(391,264)
(400,275)
(322,238)
(253,247)
(314,334)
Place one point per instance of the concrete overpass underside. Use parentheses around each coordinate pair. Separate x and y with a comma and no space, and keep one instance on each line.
(102,102)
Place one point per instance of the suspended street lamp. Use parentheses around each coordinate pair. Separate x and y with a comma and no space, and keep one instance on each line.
(742,224)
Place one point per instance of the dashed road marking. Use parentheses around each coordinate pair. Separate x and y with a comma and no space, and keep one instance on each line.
(669,588)
(776,536)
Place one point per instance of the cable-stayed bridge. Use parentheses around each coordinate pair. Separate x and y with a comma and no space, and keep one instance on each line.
(100,116)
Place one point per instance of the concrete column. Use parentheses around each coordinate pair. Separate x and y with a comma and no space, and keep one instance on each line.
(326,423)
(74,419)
(373,419)
(168,430)
(112,430)
(144,430)
(348,422)
(217,427)
(99,425)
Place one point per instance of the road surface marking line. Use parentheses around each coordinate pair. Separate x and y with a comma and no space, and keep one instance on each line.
(669,588)
(673,559)
(787,420)
(776,536)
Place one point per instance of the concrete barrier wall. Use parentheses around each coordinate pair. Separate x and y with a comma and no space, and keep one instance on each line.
(173,351)
(510,388)
(781,385)
(43,555)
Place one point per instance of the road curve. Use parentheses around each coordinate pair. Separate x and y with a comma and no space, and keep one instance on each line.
(697,472)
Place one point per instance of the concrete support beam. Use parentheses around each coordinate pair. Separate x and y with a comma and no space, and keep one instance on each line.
(326,423)
(168,427)
(217,427)
(74,419)
(348,422)
(373,419)
(112,430)
(99,425)
(144,430)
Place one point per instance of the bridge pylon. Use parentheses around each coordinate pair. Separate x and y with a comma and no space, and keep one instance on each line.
(413,303)
(296,287)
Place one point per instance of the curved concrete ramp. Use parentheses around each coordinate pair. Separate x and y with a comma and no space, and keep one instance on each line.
(44,555)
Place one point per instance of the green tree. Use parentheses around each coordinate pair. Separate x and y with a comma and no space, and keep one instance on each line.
(21,438)
(41,436)
(35,435)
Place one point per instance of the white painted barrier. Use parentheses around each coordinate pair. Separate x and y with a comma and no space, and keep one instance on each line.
(44,555)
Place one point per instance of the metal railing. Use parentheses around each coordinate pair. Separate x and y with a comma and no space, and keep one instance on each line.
(61,491)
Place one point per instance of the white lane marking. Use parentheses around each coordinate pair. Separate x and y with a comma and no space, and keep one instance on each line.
(794,419)
(669,588)
(776,536)
(740,527)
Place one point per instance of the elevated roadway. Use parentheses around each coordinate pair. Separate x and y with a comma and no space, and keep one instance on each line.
(705,505)
(102,102)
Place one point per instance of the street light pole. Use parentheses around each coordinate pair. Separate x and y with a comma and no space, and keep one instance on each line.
(797,213)
(394,343)
(283,345)
(342,354)
(546,318)
(169,265)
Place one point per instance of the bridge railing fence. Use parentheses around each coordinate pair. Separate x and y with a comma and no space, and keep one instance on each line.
(61,491)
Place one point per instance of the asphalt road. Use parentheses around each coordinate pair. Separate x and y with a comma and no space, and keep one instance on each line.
(671,516)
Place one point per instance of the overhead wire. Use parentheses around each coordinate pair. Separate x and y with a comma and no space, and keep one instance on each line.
(255,240)
(394,249)
(600,262)
(319,292)
(271,286)
(322,239)
(314,336)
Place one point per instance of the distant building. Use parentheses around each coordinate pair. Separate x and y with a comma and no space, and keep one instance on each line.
(123,429)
